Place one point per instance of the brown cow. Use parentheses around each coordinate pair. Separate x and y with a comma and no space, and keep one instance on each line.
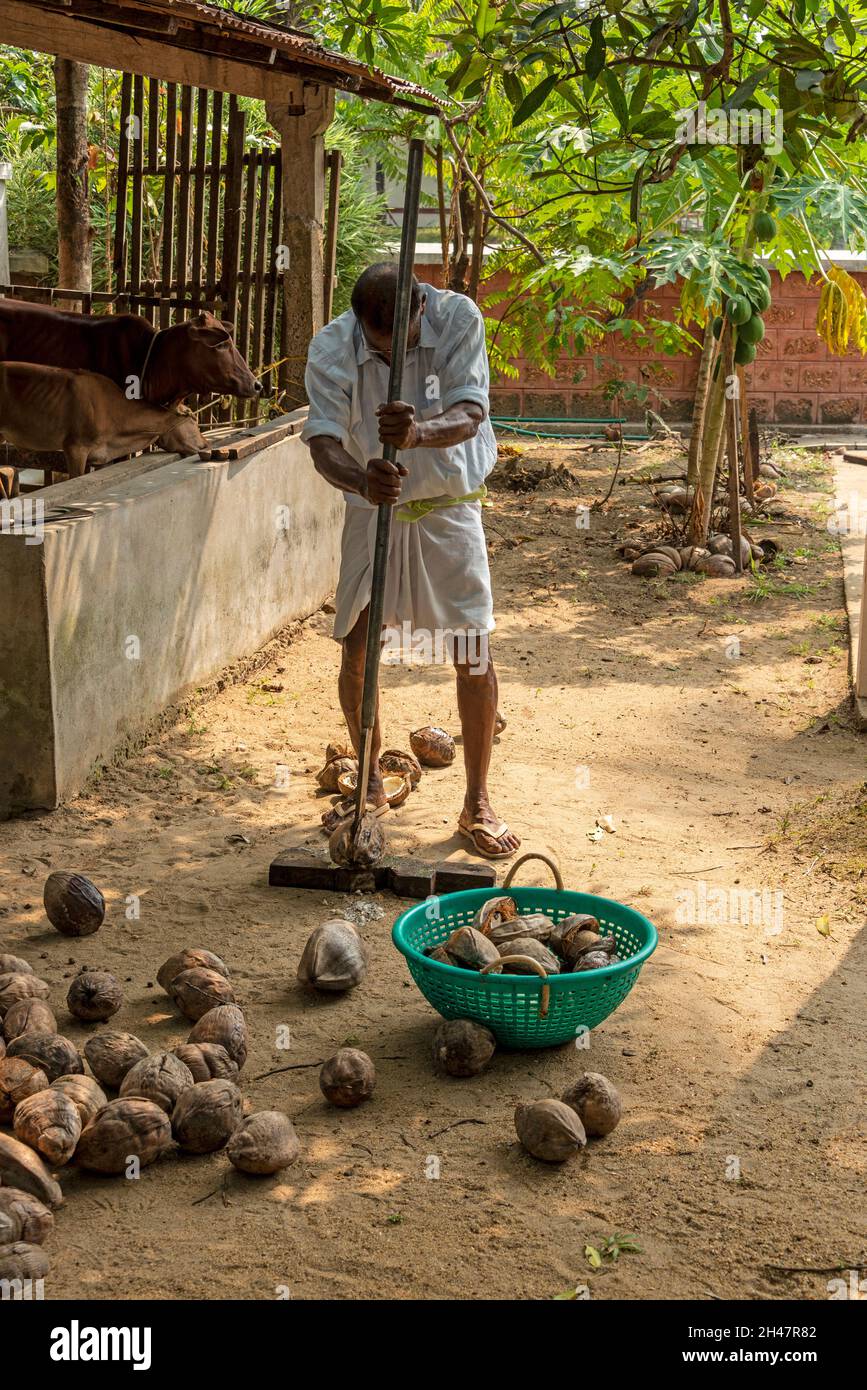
(160,366)
(87,417)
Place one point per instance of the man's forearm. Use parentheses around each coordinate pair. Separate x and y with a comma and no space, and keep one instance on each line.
(459,422)
(336,466)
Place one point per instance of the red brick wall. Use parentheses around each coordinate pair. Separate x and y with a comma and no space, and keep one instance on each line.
(793,381)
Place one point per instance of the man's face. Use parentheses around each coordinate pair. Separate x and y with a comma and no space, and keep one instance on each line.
(380,341)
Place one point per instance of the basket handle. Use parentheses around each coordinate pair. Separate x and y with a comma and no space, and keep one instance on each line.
(535,854)
(545,992)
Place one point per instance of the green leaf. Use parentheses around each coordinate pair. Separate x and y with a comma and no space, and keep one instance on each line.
(617,98)
(534,98)
(640,92)
(592,1256)
(512,87)
(635,196)
(595,58)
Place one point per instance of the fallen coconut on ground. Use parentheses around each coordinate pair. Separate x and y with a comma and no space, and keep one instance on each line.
(111,1055)
(334,958)
(596,1102)
(207,1115)
(29,1016)
(14,988)
(549,1130)
(406,764)
(50,1123)
(207,1061)
(128,1128)
(18,1079)
(20,1262)
(462,1047)
(160,1078)
(225,1025)
(74,906)
(191,958)
(198,990)
(94,996)
(347,1078)
(433,747)
(23,1217)
(20,1167)
(53,1053)
(14,965)
(86,1095)
(264,1143)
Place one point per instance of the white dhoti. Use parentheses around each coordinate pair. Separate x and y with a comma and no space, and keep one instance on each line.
(438,584)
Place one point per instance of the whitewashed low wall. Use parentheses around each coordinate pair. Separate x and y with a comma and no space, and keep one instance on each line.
(163,573)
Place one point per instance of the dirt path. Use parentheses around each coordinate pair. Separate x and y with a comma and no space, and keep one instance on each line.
(741,1050)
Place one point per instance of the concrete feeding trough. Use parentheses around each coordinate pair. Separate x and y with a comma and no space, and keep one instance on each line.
(128,588)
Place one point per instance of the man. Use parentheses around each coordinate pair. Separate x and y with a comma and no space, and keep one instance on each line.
(438,583)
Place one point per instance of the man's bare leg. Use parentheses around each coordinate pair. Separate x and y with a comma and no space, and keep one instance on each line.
(350,686)
(477,706)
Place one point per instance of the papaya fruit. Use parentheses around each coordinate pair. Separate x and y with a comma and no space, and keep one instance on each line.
(752,331)
(739,308)
(765,226)
(745,352)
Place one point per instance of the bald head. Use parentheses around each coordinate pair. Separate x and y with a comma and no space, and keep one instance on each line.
(374,296)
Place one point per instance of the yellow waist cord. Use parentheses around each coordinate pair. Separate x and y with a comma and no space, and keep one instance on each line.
(414,511)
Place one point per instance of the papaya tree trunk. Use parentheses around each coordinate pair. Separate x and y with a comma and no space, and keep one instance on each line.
(711,441)
(700,405)
(74,231)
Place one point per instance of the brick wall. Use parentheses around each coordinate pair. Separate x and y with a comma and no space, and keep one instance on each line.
(793,381)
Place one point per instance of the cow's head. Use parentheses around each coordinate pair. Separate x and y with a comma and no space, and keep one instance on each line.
(181,434)
(199,356)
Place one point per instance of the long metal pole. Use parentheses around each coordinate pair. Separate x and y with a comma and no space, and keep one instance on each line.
(403,300)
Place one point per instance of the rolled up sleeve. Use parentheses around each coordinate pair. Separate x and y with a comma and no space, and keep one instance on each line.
(464,375)
(330,401)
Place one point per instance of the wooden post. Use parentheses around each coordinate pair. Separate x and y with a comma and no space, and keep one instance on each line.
(301,122)
(731,381)
(334,161)
(74,231)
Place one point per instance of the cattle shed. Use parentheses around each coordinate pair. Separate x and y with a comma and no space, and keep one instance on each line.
(134,586)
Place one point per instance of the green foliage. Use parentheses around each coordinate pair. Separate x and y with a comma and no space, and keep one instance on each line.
(363,235)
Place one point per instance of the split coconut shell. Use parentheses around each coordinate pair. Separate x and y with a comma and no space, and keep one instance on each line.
(404,764)
(14,965)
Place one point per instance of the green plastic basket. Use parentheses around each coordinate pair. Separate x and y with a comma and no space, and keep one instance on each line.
(523,1010)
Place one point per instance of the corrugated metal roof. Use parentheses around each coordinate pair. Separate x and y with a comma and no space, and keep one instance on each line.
(286,49)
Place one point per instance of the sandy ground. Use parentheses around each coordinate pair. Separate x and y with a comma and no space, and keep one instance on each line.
(739,1166)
